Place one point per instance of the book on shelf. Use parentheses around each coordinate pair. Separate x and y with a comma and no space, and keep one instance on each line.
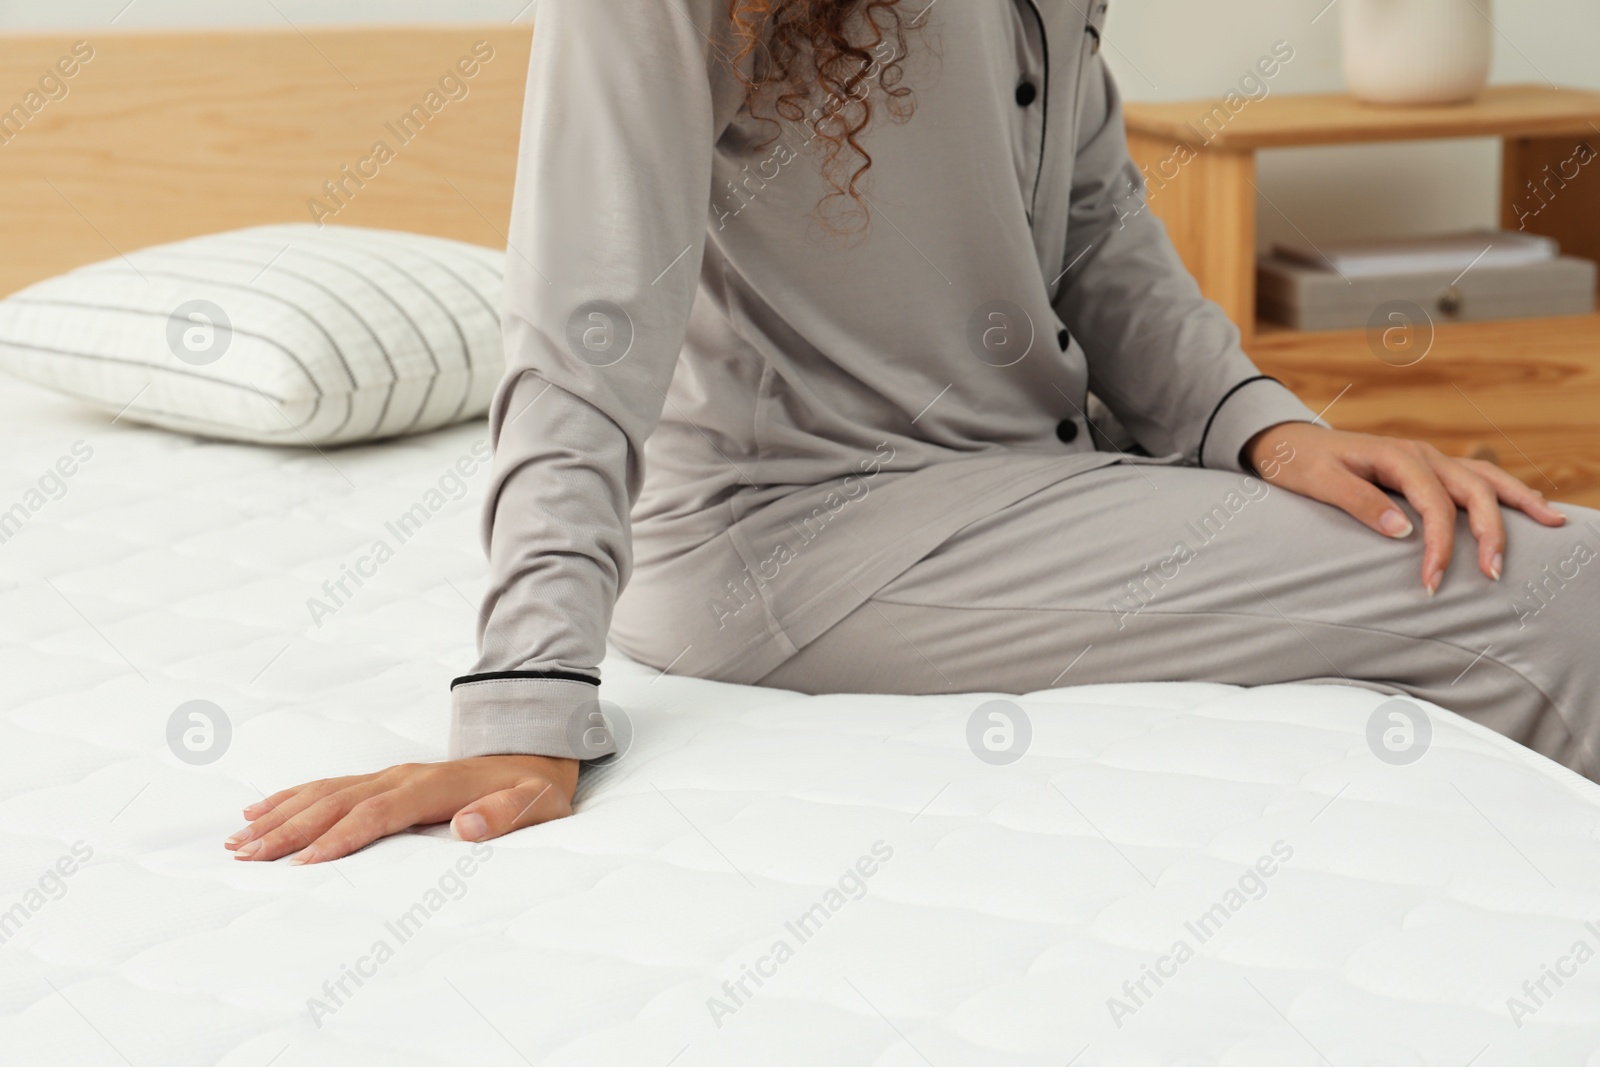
(1416,255)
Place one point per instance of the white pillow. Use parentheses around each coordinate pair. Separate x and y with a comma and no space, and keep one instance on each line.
(282,335)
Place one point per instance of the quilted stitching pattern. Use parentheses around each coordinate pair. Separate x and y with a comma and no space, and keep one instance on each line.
(1015,903)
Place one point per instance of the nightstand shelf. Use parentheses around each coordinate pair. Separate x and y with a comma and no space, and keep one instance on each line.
(1525,391)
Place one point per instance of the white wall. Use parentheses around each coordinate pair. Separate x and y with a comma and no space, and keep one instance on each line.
(1160,49)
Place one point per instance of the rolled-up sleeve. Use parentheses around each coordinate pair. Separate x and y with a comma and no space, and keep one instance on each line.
(606,239)
(1165,360)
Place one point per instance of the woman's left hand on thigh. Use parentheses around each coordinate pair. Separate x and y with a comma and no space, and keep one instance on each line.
(1347,469)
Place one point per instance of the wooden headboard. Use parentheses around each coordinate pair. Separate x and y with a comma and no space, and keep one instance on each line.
(153,137)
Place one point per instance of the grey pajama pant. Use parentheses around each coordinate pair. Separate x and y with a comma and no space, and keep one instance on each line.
(1139,572)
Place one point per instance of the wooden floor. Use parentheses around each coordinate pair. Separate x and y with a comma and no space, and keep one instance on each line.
(1525,393)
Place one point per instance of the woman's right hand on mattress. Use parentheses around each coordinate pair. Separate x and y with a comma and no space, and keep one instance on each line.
(481,797)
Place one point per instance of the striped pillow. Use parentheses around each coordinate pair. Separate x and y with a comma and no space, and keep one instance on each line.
(281,335)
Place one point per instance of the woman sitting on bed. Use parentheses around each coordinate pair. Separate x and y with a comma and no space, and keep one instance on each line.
(804,305)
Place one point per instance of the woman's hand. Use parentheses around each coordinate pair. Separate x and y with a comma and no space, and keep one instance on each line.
(1345,470)
(482,797)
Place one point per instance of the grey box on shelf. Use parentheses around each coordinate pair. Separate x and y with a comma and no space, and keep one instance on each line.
(1306,298)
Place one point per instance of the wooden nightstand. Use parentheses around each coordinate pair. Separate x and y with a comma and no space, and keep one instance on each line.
(1525,392)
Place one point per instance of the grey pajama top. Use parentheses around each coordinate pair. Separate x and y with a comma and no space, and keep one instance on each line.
(722,428)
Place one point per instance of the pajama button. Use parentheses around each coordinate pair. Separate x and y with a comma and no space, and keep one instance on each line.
(1026,94)
(1067,431)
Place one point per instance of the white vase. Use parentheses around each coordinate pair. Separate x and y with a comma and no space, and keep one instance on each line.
(1416,51)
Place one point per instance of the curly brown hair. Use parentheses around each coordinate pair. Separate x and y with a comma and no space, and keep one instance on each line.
(822,59)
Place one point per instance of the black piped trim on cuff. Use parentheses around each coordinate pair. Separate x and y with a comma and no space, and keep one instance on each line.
(551,676)
(1200,456)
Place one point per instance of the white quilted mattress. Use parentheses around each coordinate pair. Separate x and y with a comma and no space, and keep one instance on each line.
(764,878)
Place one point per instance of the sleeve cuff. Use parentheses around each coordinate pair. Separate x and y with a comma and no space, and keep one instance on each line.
(493,716)
(1244,411)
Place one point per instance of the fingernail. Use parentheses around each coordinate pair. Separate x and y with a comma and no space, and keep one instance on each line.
(253,810)
(469,827)
(305,855)
(247,851)
(1395,524)
(1497,565)
(1432,582)
(239,838)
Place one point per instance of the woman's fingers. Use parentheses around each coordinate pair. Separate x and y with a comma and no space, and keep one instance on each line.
(487,795)
(280,807)
(1341,469)
(1362,500)
(297,831)
(1514,492)
(525,804)
(1473,492)
(261,807)
(266,804)
(1402,467)
(377,816)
